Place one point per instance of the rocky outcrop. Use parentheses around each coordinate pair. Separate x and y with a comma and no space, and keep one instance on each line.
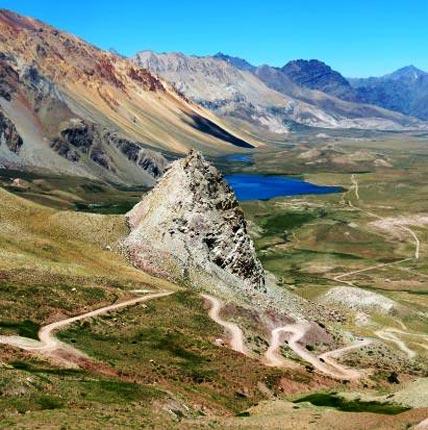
(190,227)
(9,136)
(78,138)
(360,300)
(152,162)
(7,77)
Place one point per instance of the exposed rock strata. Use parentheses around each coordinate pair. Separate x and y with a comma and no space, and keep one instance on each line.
(190,227)
(79,138)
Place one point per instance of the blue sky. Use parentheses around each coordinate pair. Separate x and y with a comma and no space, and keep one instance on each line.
(356,37)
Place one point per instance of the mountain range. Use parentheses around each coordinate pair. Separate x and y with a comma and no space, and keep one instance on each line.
(69,107)
(404,91)
(271,98)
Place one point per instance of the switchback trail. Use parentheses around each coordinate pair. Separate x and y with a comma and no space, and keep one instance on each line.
(388,335)
(236,335)
(324,363)
(52,347)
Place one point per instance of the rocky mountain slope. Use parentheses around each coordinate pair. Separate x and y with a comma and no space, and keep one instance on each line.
(237,62)
(83,111)
(405,91)
(197,233)
(316,75)
(359,115)
(226,90)
(263,96)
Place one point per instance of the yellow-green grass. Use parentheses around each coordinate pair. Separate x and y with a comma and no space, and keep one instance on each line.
(55,264)
(59,263)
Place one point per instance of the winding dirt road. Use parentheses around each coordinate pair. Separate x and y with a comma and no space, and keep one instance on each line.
(236,341)
(52,347)
(416,239)
(325,363)
(298,331)
(388,335)
(355,186)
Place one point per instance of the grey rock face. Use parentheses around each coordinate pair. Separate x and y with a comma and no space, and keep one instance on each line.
(317,75)
(9,135)
(405,91)
(79,138)
(190,227)
(7,76)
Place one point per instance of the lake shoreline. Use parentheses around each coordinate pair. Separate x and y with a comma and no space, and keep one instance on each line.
(265,187)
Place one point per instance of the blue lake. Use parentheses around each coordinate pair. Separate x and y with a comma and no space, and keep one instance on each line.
(261,187)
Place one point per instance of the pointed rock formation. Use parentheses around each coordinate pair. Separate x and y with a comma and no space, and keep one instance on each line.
(190,227)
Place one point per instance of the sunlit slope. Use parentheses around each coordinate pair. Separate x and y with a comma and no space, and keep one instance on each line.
(52,81)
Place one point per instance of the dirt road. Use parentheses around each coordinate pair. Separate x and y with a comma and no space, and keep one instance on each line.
(236,335)
(355,187)
(324,363)
(340,278)
(387,334)
(329,357)
(52,347)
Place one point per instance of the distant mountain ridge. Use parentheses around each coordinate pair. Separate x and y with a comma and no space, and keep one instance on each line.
(408,72)
(71,108)
(316,75)
(270,98)
(405,91)
(237,62)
